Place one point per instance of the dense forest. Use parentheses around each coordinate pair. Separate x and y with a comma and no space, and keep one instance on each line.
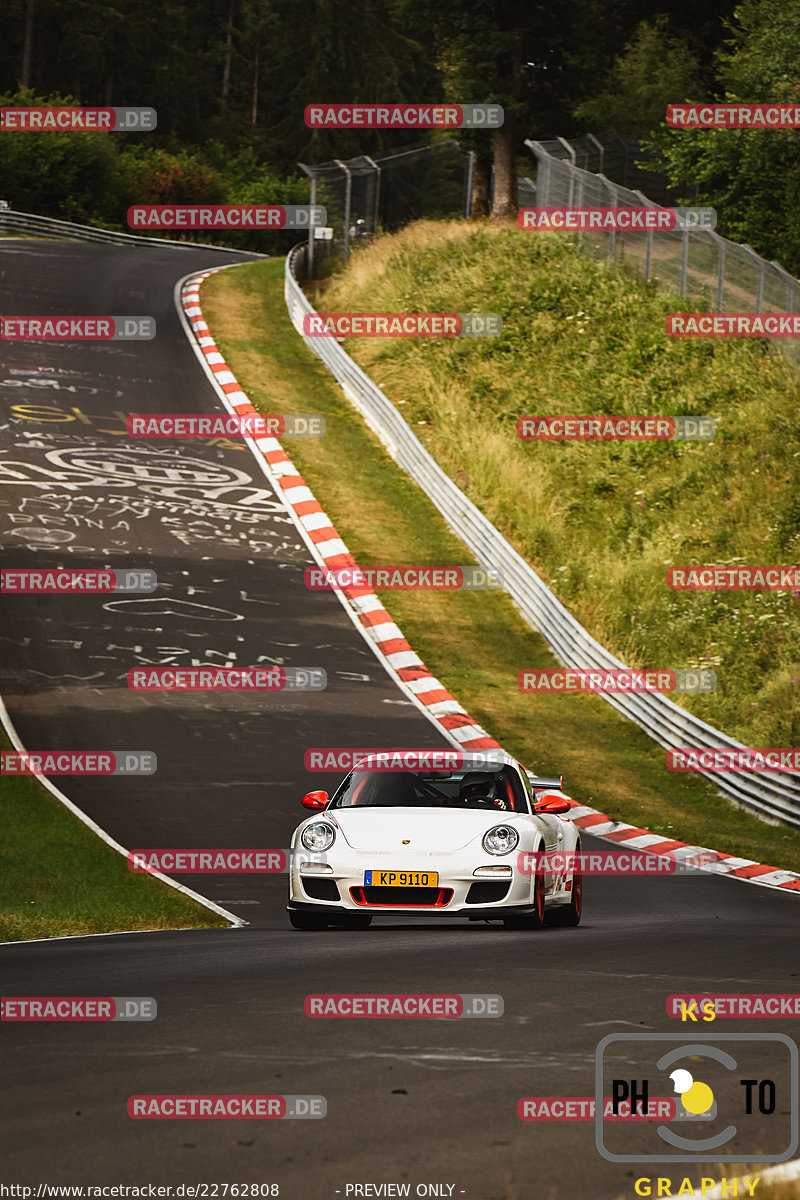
(230,80)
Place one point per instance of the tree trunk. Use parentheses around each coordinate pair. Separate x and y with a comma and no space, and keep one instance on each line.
(504,206)
(255,85)
(481,185)
(226,71)
(27,47)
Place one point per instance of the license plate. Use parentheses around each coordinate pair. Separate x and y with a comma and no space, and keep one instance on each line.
(401,878)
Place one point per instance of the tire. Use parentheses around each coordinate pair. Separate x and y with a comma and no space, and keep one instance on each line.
(567,916)
(306,920)
(536,919)
(354,921)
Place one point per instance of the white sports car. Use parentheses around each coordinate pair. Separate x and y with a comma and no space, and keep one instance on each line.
(461,843)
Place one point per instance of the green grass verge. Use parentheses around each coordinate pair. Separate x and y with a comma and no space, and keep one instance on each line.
(602,522)
(58,878)
(474,642)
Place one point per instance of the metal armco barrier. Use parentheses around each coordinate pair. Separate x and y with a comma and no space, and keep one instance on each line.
(48,227)
(773,797)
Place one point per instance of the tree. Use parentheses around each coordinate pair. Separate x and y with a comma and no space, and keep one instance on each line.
(656,68)
(752,177)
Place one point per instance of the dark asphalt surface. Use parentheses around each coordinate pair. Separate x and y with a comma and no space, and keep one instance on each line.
(417,1102)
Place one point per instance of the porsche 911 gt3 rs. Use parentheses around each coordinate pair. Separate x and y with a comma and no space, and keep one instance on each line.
(467,842)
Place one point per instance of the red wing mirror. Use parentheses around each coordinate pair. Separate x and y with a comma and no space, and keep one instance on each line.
(314,800)
(554,807)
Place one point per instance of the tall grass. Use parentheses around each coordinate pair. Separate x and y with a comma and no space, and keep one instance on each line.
(602,522)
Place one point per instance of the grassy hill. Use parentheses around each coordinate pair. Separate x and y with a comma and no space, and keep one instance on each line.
(601,522)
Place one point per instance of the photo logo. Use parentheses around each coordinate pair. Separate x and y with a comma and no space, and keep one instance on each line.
(724,1086)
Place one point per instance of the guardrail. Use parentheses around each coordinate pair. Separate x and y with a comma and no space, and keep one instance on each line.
(773,797)
(49,227)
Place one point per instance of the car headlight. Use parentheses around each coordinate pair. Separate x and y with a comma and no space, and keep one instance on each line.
(319,836)
(500,840)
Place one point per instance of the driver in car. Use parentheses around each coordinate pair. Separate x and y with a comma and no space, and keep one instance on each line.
(480,791)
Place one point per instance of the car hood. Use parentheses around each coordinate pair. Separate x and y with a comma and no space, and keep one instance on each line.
(425,829)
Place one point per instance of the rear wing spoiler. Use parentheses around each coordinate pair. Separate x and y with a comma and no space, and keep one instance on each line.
(541,784)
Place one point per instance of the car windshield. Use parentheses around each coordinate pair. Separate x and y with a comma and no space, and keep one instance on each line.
(498,790)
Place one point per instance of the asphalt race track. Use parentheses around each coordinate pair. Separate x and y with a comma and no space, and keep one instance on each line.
(419,1102)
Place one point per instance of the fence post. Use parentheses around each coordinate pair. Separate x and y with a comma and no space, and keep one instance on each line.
(571,154)
(784,274)
(470,175)
(720,270)
(347,193)
(684,260)
(376,212)
(311,228)
(602,150)
(612,236)
(578,201)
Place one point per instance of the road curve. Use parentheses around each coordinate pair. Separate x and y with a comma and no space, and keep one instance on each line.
(418,1102)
